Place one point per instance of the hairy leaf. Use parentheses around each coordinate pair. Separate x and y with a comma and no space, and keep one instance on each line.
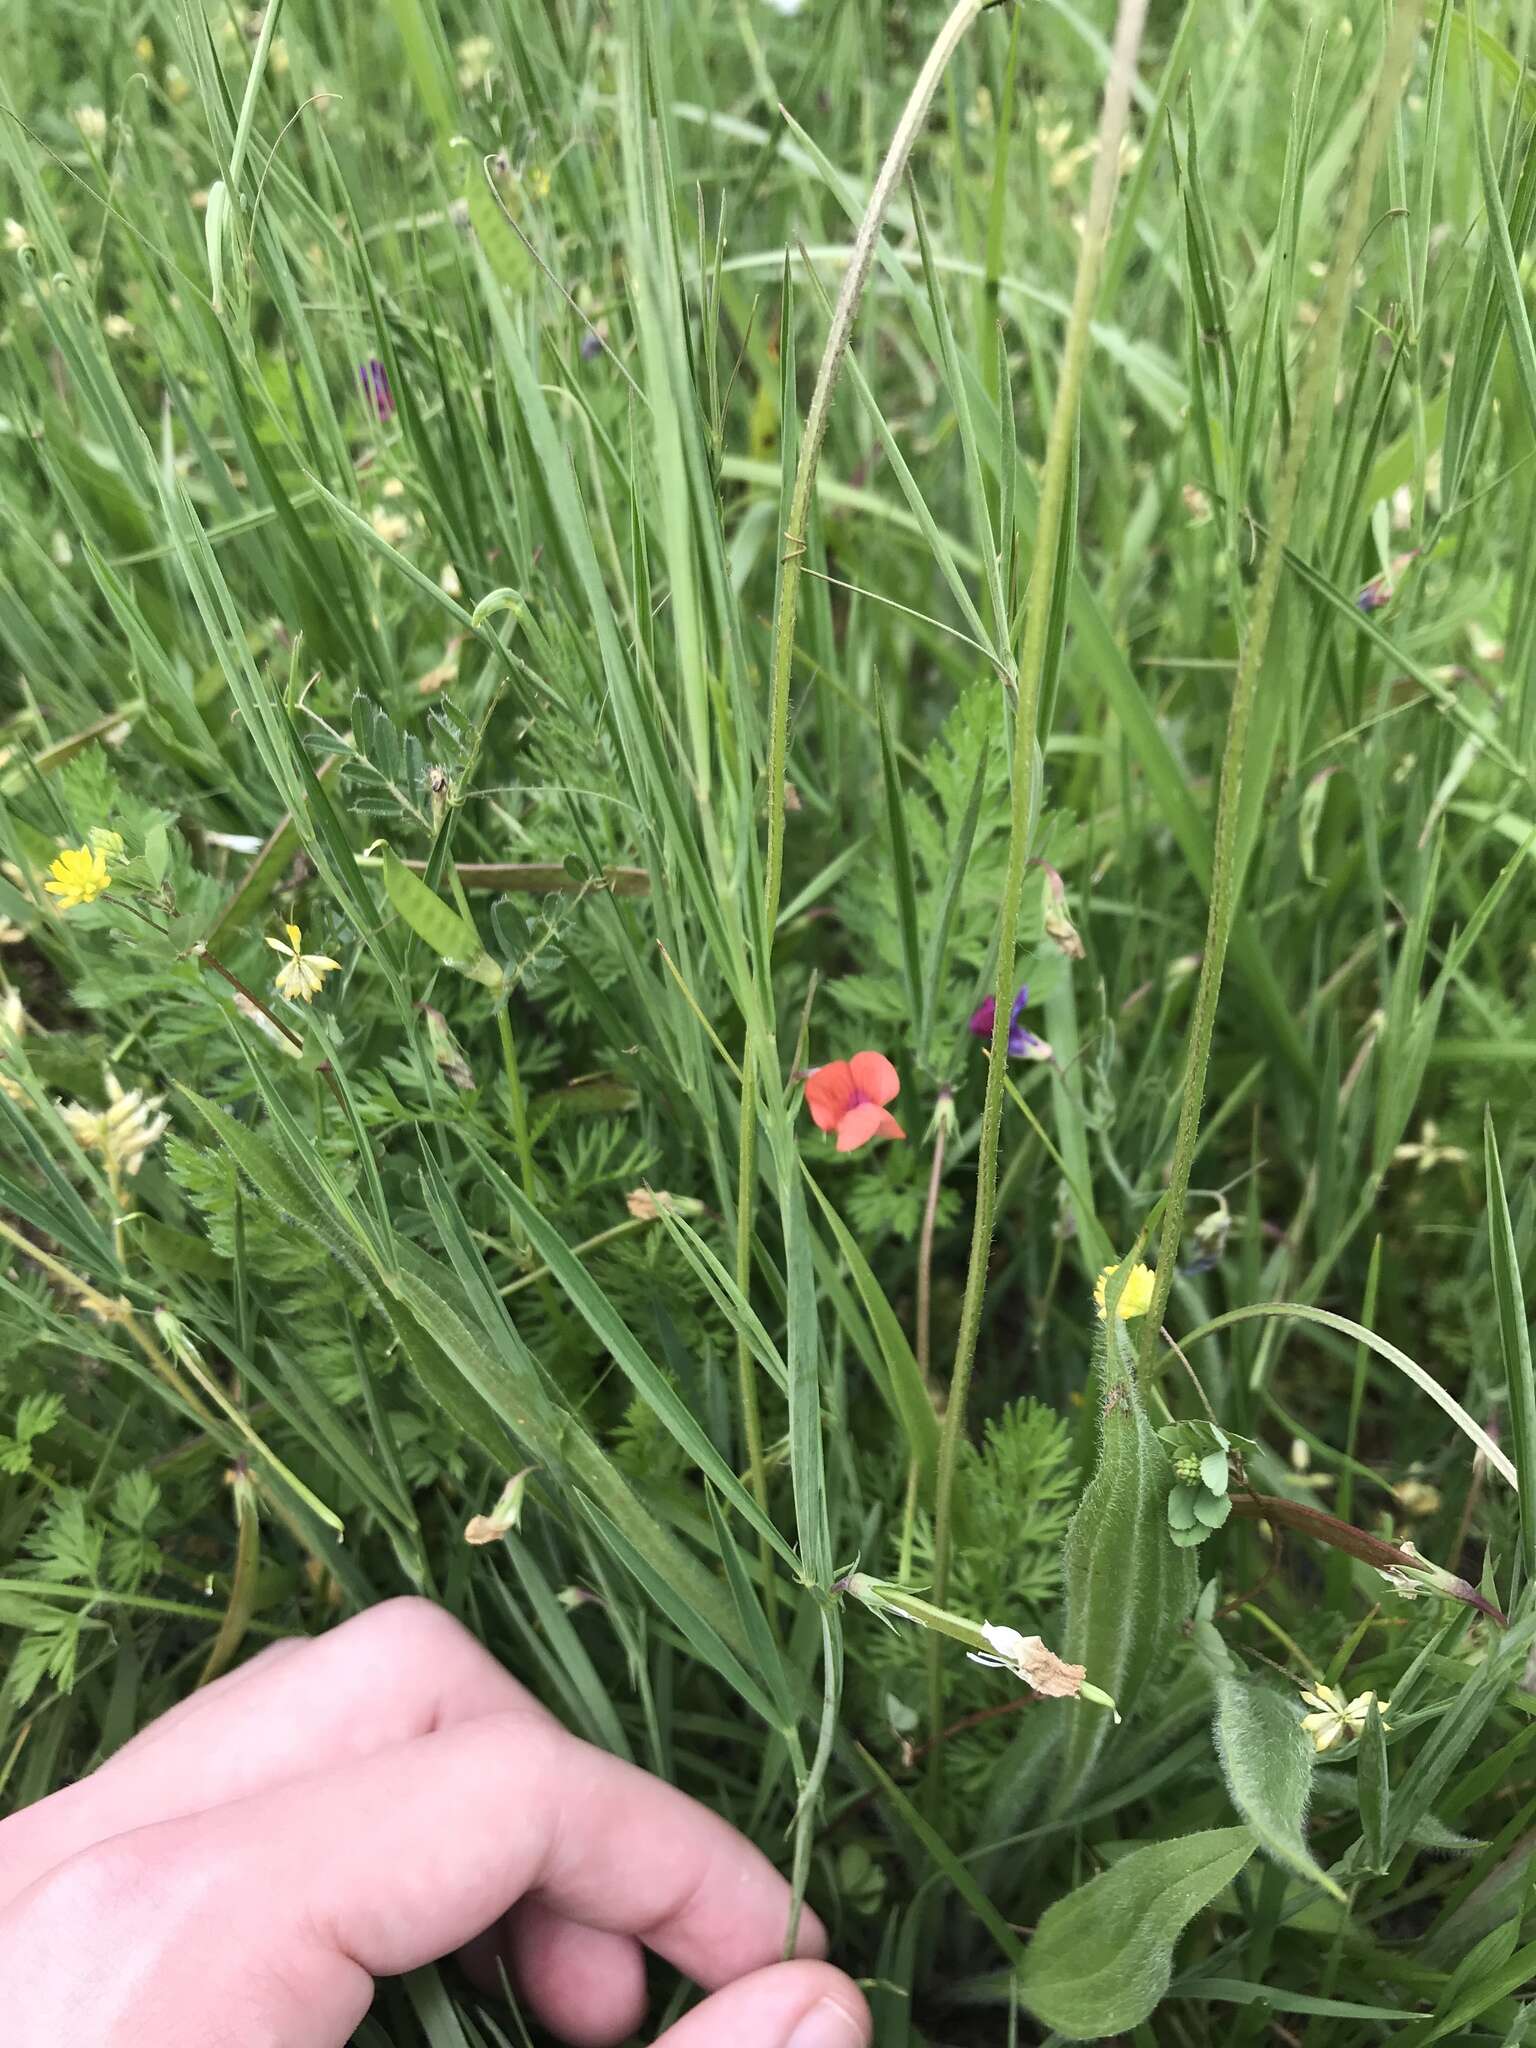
(1102,1957)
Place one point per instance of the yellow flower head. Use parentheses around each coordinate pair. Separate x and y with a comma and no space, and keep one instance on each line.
(1337,1718)
(79,876)
(13,1022)
(301,973)
(123,1132)
(1135,1296)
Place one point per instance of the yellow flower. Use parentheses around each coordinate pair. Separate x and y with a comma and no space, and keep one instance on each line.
(475,61)
(1135,1296)
(301,973)
(1417,1497)
(13,1022)
(123,1132)
(392,527)
(1429,1152)
(79,876)
(1337,1718)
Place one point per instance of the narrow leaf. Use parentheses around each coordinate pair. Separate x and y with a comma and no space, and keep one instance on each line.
(902,879)
(455,941)
(1515,1340)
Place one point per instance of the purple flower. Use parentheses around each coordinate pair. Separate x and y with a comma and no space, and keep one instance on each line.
(1022,1044)
(1383,588)
(377,395)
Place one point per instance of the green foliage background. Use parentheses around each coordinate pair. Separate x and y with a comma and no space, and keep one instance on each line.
(518,633)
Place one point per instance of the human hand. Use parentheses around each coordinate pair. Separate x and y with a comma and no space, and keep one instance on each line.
(358,1805)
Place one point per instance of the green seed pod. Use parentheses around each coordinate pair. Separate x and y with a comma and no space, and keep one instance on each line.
(1127,1585)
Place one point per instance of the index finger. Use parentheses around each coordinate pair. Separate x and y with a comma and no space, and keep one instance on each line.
(402,1669)
(308,1891)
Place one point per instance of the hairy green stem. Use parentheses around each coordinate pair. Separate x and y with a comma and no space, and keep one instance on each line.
(1052,505)
(1225,880)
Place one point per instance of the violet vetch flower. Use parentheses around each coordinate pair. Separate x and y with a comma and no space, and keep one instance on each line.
(1022,1044)
(1383,588)
(374,379)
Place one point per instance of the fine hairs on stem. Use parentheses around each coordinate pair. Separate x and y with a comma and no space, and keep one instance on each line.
(1396,59)
(1053,495)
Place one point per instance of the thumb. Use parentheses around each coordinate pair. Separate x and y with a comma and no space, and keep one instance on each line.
(788,2005)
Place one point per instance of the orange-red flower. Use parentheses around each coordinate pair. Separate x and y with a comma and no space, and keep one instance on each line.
(849,1097)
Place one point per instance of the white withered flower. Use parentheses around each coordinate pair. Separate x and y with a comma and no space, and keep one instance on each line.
(1029,1659)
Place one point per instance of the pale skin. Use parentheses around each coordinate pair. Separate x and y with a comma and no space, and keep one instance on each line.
(349,1808)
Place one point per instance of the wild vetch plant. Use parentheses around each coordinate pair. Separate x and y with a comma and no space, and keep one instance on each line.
(766,832)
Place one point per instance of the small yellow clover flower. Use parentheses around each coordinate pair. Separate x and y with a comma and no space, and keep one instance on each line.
(79,876)
(1135,1296)
(1337,1718)
(301,973)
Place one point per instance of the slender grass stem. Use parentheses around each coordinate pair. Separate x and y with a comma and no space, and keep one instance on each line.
(925,1238)
(1225,880)
(115,1311)
(746,1365)
(840,334)
(786,610)
(206,959)
(1052,506)
(517,1102)
(579,1251)
(138,1603)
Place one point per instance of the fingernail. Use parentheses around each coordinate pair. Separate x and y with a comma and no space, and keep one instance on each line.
(829,2024)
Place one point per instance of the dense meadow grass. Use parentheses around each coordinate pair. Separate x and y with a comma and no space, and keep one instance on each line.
(566,569)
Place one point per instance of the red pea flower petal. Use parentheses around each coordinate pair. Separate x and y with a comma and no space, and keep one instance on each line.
(861,1123)
(874,1076)
(830,1093)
